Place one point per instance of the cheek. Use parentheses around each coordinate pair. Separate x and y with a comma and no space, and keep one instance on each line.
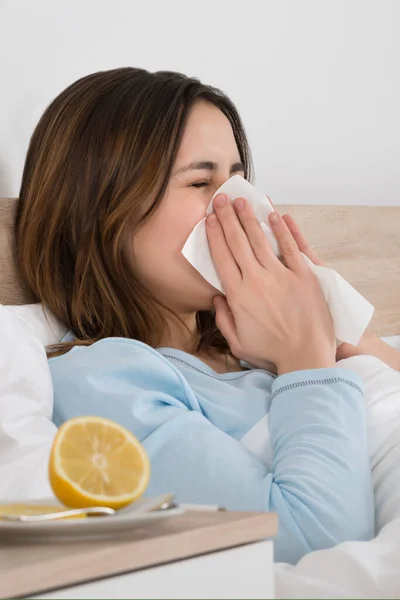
(171,229)
(166,234)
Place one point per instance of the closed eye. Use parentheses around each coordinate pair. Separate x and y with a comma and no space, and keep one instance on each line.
(200,184)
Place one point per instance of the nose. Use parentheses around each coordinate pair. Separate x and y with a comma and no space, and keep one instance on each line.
(221,178)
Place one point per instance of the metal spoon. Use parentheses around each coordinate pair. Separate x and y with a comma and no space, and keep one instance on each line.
(62,514)
(144,505)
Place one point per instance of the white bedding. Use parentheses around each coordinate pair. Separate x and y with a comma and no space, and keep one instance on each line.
(362,569)
(351,570)
(26,404)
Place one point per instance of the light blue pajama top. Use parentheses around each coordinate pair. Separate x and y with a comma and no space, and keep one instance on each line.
(194,424)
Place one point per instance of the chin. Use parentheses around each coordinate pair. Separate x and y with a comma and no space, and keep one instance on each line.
(198,291)
(204,298)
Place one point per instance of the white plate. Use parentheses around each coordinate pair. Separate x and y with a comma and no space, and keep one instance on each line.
(123,523)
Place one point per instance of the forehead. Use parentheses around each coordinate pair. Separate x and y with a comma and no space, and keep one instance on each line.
(207,130)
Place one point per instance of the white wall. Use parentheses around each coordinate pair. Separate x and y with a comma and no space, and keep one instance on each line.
(317,81)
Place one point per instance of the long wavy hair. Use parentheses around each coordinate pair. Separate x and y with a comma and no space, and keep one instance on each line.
(101,150)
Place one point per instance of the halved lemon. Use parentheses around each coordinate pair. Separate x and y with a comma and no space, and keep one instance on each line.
(96,462)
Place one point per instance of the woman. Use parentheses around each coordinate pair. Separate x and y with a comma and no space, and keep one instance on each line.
(120,168)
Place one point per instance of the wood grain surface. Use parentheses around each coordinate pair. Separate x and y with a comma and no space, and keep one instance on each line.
(361,243)
(28,569)
(10,286)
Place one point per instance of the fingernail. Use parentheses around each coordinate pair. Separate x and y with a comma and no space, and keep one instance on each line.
(239,204)
(220,200)
(211,220)
(274,217)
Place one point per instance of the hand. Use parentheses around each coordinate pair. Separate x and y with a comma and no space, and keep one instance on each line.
(272,312)
(369,344)
(300,240)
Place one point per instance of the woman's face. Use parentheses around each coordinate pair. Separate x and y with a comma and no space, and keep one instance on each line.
(207,157)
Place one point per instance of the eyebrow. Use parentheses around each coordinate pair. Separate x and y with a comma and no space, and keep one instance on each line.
(207,165)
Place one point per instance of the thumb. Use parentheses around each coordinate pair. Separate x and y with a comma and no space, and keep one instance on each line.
(224,320)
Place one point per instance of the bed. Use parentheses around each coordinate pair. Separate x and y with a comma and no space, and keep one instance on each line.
(363,244)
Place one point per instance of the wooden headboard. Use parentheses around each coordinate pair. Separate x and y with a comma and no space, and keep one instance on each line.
(361,243)
(10,286)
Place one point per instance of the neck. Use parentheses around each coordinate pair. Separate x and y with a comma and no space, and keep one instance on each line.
(182,333)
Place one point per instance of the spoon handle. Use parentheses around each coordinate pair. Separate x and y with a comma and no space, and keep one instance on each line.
(62,514)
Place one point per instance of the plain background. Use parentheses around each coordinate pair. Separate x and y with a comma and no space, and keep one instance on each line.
(317,82)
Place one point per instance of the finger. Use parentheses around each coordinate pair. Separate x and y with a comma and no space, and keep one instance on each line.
(290,251)
(301,241)
(261,247)
(224,262)
(225,321)
(234,234)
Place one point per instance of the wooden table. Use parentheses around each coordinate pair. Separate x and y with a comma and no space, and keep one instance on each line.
(196,555)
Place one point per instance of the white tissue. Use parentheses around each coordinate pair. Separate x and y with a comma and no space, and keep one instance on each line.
(350,311)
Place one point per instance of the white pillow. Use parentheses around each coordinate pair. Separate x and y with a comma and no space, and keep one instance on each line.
(49,330)
(42,323)
(26,406)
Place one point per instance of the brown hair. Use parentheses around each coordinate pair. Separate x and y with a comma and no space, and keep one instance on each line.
(101,150)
